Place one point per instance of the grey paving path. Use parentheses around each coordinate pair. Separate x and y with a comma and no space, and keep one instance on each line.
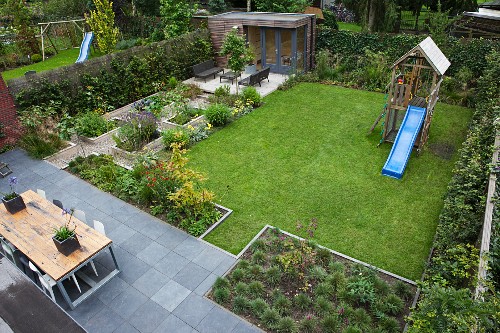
(165,272)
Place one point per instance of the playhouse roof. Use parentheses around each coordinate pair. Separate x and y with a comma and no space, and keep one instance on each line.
(432,53)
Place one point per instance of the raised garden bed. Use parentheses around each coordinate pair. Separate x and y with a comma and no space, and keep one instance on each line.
(287,284)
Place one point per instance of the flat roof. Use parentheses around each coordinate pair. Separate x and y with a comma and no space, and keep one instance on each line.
(264,16)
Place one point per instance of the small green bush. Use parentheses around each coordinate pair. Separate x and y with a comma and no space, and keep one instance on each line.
(330,324)
(323,306)
(302,301)
(259,257)
(270,318)
(273,275)
(402,289)
(238,274)
(241,288)
(256,288)
(318,273)
(287,325)
(240,304)
(91,124)
(282,304)
(258,306)
(250,94)
(36,57)
(308,324)
(218,114)
(221,295)
(175,135)
(221,282)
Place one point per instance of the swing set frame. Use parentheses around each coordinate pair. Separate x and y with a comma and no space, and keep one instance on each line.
(44,29)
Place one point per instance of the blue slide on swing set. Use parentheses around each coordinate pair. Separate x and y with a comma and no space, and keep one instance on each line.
(403,145)
(85,47)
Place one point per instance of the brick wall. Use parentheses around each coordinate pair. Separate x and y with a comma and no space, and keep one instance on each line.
(8,116)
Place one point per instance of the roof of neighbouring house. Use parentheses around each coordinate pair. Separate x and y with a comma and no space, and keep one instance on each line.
(432,54)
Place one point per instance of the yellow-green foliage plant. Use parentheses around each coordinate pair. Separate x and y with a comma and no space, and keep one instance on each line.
(102,22)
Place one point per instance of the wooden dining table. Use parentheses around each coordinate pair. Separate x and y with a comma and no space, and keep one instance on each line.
(31,231)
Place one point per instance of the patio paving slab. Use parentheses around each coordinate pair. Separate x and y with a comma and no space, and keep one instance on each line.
(164,271)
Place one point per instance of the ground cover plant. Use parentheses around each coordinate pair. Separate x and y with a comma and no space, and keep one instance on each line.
(306,153)
(283,284)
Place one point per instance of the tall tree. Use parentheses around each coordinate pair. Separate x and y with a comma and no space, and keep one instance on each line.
(22,20)
(177,16)
(237,52)
(374,15)
(102,22)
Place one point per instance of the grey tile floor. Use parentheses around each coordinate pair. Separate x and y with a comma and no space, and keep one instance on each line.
(164,271)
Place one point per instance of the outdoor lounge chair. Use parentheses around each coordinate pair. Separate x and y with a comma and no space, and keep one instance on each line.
(206,69)
(255,78)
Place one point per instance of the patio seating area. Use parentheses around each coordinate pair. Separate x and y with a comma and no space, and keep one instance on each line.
(164,272)
(266,87)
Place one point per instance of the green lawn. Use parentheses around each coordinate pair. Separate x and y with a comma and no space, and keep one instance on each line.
(63,58)
(349,26)
(306,154)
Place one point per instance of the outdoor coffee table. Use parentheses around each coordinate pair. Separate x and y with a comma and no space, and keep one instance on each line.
(229,76)
(31,231)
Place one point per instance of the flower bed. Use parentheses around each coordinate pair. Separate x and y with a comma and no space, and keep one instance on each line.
(162,186)
(285,284)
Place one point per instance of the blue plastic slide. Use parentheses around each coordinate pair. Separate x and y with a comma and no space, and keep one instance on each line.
(85,47)
(402,147)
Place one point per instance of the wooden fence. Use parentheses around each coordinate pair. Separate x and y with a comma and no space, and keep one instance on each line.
(487,226)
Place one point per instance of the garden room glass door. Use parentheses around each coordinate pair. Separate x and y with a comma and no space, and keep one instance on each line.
(279,49)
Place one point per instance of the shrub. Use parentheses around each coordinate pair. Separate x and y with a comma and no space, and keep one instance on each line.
(256,288)
(318,273)
(361,318)
(178,135)
(337,280)
(241,288)
(330,324)
(238,274)
(282,304)
(381,287)
(302,301)
(323,289)
(258,306)
(273,275)
(393,304)
(259,244)
(218,114)
(221,282)
(286,325)
(323,306)
(137,130)
(217,6)
(361,290)
(240,305)
(221,295)
(270,318)
(36,58)
(259,257)
(390,325)
(250,94)
(91,124)
(308,324)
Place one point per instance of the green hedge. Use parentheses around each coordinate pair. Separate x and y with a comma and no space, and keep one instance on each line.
(460,52)
(454,261)
(115,80)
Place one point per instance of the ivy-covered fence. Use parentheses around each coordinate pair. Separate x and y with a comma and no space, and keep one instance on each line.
(447,302)
(460,52)
(114,80)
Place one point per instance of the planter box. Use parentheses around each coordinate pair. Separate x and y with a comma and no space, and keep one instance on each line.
(68,245)
(14,205)
(193,122)
(99,138)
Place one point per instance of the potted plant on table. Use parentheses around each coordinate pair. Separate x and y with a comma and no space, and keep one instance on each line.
(65,237)
(12,201)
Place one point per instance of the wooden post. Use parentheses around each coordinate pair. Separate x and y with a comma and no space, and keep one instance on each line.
(43,47)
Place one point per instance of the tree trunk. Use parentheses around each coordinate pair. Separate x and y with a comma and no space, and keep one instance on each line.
(249,5)
(372,13)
